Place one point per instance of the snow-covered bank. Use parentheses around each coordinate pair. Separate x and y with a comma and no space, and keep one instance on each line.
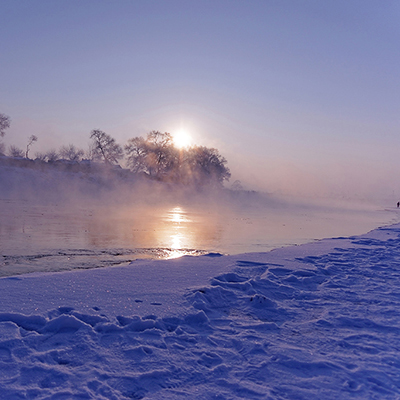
(317,321)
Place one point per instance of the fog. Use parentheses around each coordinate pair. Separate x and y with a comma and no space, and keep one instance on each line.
(280,158)
(333,171)
(53,219)
(315,167)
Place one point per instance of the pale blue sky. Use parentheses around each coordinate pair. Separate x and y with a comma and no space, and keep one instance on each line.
(298,95)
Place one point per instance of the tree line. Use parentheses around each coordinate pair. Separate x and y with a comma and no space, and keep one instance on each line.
(154,156)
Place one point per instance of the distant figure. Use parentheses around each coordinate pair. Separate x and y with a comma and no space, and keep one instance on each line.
(398,204)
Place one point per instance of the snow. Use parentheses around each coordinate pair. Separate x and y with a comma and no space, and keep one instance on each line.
(317,321)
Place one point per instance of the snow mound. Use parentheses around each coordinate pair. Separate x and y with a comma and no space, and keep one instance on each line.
(318,321)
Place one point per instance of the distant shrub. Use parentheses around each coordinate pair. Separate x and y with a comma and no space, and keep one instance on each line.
(52,155)
(15,152)
(71,153)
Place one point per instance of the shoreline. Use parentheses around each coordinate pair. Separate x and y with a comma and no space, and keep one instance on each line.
(71,259)
(313,321)
(209,264)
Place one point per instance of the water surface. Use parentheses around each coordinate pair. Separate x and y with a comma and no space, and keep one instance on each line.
(53,237)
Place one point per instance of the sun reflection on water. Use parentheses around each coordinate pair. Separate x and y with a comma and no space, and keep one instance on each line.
(178,232)
(176,241)
(178,215)
(155,231)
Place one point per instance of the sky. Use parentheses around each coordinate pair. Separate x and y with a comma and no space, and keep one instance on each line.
(300,96)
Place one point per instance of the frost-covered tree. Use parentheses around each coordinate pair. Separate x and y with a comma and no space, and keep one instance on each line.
(206,166)
(157,157)
(5,122)
(15,151)
(105,148)
(71,153)
(32,139)
(137,151)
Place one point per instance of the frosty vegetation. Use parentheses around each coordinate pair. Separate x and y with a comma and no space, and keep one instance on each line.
(157,157)
(154,157)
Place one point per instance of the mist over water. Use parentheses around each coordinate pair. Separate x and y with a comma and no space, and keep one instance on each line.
(56,220)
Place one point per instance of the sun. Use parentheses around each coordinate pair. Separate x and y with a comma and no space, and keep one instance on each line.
(182,139)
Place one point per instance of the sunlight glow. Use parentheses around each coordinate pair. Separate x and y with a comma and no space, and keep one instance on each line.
(182,139)
(177,232)
(177,215)
(176,242)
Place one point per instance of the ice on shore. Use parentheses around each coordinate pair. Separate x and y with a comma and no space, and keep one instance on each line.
(318,321)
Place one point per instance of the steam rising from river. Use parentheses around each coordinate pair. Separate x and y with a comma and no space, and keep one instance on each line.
(75,220)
